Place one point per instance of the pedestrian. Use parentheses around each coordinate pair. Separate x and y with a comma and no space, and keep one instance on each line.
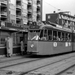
(22,48)
(8,48)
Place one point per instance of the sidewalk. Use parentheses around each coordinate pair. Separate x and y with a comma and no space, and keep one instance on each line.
(7,59)
(13,57)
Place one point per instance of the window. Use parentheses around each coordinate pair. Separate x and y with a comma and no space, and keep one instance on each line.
(54,35)
(59,36)
(41,34)
(63,36)
(46,34)
(34,35)
(3,36)
(69,37)
(50,35)
(18,37)
(14,38)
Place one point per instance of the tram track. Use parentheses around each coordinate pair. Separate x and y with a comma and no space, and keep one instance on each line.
(21,60)
(29,66)
(52,65)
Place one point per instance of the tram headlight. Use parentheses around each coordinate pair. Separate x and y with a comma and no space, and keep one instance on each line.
(32,45)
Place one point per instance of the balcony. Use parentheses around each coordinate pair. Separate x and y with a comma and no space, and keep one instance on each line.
(38,5)
(18,0)
(29,19)
(3,5)
(38,1)
(18,21)
(29,10)
(29,1)
(4,2)
(38,13)
(4,13)
(18,6)
(18,16)
(3,18)
(18,10)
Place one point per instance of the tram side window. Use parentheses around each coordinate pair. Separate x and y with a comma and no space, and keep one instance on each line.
(54,35)
(49,34)
(46,34)
(59,36)
(63,36)
(43,35)
(69,37)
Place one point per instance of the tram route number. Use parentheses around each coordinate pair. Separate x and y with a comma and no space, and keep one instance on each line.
(67,44)
(55,44)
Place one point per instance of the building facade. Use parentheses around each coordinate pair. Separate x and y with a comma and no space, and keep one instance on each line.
(21,11)
(15,16)
(62,19)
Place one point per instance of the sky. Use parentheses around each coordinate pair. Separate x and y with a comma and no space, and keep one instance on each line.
(53,5)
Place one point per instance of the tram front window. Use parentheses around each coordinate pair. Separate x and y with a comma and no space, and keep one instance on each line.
(34,35)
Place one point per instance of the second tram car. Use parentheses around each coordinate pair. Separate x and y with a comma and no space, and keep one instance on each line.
(48,40)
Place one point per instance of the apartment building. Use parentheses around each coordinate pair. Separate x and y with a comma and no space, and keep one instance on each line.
(21,11)
(28,11)
(61,18)
(3,10)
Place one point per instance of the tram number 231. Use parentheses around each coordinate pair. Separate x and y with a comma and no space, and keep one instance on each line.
(54,44)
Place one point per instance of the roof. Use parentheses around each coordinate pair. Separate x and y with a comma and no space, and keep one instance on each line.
(58,27)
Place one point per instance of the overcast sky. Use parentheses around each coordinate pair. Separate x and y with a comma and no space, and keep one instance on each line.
(53,5)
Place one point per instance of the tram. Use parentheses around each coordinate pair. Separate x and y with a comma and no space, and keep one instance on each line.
(50,39)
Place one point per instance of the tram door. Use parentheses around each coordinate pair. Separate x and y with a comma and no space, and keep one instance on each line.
(9,46)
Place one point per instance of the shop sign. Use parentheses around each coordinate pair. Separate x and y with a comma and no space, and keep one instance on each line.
(13,26)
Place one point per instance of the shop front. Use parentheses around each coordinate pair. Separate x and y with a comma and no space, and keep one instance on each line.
(10,38)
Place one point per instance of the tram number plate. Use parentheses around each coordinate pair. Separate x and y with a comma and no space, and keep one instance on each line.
(54,44)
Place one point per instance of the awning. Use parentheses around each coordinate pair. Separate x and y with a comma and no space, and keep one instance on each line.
(9,27)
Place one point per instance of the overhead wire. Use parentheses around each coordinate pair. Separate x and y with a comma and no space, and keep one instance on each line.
(53,6)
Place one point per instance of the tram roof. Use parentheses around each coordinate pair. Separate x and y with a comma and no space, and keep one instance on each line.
(58,27)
